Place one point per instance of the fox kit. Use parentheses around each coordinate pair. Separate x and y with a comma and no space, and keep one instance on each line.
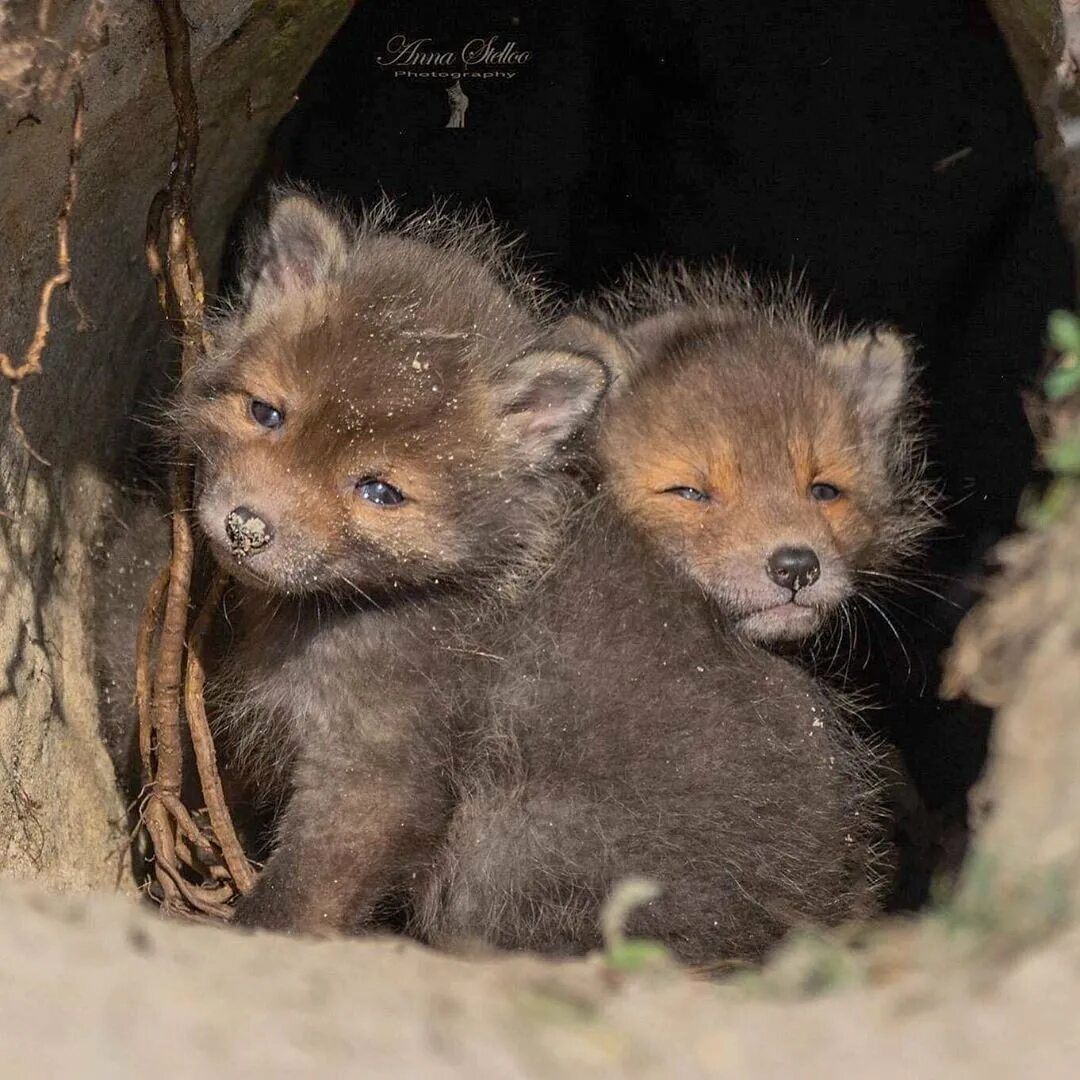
(378,430)
(635,728)
(772,460)
(626,731)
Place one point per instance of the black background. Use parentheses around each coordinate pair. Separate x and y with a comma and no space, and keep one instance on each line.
(796,136)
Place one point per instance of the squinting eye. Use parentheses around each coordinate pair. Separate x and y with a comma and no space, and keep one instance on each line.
(379,493)
(824,492)
(688,493)
(266,415)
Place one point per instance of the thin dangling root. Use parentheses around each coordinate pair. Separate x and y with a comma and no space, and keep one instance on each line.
(30,364)
(199,868)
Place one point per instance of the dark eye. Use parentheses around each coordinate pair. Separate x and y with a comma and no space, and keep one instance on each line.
(380,493)
(266,415)
(824,492)
(688,493)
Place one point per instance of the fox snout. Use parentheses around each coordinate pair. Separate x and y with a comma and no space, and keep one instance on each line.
(247,532)
(794,568)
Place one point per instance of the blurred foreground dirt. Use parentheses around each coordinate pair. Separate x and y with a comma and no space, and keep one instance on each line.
(97,987)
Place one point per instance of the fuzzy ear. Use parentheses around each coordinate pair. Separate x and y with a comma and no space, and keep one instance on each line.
(579,334)
(876,366)
(301,245)
(546,397)
(649,336)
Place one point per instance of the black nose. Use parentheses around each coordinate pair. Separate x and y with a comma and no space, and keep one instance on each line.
(794,567)
(247,532)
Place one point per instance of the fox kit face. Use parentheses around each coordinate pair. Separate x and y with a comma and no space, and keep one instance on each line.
(375,415)
(765,463)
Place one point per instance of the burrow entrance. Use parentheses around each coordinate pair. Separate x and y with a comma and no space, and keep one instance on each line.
(885,157)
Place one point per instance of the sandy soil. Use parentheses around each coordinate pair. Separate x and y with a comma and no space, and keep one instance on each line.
(102,987)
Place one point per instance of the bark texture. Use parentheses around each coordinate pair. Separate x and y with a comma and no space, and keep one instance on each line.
(1043,38)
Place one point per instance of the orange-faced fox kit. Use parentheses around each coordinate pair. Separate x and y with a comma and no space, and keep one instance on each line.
(772,459)
(625,731)
(378,428)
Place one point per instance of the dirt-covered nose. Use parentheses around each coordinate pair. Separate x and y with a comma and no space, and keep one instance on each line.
(794,567)
(247,532)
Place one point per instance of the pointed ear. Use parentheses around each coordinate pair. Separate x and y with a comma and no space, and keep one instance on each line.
(579,334)
(301,246)
(644,341)
(546,397)
(876,366)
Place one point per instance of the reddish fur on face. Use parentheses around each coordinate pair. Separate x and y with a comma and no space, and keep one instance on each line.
(747,401)
(402,357)
(352,410)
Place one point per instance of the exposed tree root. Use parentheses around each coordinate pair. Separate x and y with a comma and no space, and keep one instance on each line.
(30,364)
(199,867)
(202,740)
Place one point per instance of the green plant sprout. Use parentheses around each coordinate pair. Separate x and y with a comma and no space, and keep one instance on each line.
(1062,455)
(624,953)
